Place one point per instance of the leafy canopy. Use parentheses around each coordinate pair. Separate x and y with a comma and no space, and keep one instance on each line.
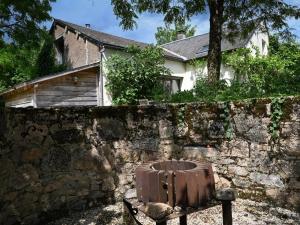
(20,20)
(167,34)
(239,16)
(46,61)
(135,75)
(277,74)
(20,63)
(16,64)
(26,49)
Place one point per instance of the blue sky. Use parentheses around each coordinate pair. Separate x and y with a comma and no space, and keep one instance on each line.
(100,15)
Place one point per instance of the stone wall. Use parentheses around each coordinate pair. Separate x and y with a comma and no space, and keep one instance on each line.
(56,160)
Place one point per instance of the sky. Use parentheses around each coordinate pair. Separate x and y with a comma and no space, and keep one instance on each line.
(99,14)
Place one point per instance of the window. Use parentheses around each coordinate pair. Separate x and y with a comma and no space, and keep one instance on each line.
(59,49)
(203,49)
(171,84)
(263,47)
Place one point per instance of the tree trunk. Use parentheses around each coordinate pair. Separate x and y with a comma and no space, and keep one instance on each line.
(216,8)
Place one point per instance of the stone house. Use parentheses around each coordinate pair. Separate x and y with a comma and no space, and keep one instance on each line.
(85,51)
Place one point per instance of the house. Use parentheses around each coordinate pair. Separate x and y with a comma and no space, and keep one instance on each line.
(85,51)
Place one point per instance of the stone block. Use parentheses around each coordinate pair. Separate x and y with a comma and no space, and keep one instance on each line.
(226,161)
(165,129)
(290,146)
(255,147)
(267,180)
(111,129)
(57,159)
(52,186)
(131,193)
(237,170)
(158,210)
(294,184)
(224,183)
(32,154)
(216,129)
(273,193)
(242,162)
(108,184)
(294,199)
(286,129)
(77,204)
(68,136)
(241,182)
(239,148)
(200,152)
(146,144)
(252,128)
(224,149)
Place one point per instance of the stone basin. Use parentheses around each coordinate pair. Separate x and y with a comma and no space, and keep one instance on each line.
(175,182)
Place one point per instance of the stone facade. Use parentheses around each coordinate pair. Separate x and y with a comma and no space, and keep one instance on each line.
(78,51)
(53,161)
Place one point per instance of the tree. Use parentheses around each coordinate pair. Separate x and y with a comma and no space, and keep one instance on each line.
(17,64)
(46,62)
(240,18)
(26,49)
(135,76)
(167,34)
(23,62)
(20,20)
(275,74)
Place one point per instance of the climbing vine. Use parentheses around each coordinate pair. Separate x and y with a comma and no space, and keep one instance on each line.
(276,114)
(181,116)
(225,116)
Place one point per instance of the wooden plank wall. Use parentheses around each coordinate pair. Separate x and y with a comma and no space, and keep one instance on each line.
(65,91)
(20,99)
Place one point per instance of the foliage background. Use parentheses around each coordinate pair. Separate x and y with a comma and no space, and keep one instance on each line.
(168,33)
(23,62)
(277,74)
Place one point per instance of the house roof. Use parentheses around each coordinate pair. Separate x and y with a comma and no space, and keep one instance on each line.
(49,77)
(183,49)
(110,40)
(197,46)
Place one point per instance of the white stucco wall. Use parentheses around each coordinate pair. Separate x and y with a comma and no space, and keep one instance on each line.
(193,73)
(188,72)
(259,40)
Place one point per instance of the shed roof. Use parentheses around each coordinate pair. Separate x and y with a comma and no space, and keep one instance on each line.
(49,77)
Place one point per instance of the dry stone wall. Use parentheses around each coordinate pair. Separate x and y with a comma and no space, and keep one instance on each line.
(53,161)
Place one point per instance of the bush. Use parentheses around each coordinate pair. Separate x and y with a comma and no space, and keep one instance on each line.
(206,91)
(135,76)
(277,74)
(183,96)
(272,75)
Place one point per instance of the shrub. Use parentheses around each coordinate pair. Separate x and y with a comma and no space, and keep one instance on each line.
(136,75)
(183,96)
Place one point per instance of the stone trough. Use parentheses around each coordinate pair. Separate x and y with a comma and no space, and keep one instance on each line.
(176,183)
(171,189)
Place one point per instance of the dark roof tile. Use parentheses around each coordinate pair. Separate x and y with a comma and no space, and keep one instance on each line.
(196,46)
(109,39)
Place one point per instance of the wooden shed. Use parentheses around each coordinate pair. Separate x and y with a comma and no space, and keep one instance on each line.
(82,86)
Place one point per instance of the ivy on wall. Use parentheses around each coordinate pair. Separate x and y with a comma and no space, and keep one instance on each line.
(276,115)
(225,116)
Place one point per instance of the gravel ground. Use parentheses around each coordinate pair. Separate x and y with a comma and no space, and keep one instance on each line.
(245,212)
